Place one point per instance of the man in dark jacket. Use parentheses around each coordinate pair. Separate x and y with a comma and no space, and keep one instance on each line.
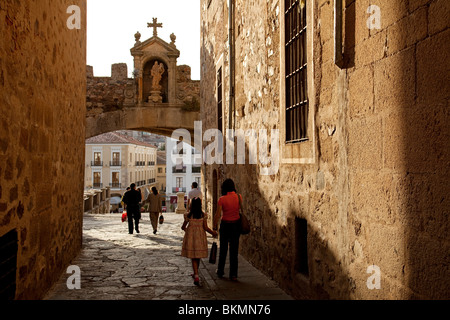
(132,198)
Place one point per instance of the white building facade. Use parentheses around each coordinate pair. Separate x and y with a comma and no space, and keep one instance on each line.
(183,165)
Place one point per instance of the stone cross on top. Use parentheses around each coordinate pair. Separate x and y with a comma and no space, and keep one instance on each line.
(155,25)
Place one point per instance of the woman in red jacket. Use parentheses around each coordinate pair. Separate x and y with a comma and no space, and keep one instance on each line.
(228,211)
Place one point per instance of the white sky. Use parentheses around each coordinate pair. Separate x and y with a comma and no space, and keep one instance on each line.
(111,25)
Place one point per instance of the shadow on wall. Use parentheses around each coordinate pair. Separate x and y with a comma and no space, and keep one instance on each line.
(424,114)
(411,85)
(292,252)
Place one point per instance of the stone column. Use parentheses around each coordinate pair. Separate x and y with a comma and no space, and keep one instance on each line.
(88,203)
(172,78)
(180,203)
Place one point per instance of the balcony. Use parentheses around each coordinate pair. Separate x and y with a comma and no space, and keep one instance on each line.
(150,181)
(175,170)
(140,183)
(175,190)
(97,185)
(196,169)
(96,163)
(115,163)
(140,163)
(115,185)
(151,163)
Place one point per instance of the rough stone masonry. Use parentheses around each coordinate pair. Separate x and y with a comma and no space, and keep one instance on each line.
(43,110)
(369,185)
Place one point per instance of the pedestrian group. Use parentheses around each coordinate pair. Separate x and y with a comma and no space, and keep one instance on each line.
(195,225)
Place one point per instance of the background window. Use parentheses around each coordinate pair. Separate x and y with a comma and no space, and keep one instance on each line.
(179,182)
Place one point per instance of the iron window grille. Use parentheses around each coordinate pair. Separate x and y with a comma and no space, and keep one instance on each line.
(297,103)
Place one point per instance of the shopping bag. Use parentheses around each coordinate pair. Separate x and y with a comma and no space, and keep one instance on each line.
(124,217)
(213,253)
(161,219)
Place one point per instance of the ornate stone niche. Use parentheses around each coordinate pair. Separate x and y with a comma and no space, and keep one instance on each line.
(155,64)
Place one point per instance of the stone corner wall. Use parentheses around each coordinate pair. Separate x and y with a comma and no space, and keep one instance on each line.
(375,192)
(43,111)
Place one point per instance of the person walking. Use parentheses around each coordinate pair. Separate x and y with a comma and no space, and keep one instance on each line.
(132,198)
(154,207)
(195,245)
(121,200)
(228,213)
(194,193)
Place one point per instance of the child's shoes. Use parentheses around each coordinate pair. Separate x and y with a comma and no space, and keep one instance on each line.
(196,280)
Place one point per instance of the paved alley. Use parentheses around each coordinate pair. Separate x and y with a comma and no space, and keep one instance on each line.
(115,265)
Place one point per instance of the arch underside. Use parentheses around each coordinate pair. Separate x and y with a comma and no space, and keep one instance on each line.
(158,120)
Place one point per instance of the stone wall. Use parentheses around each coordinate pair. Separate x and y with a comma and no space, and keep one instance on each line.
(115,93)
(105,94)
(188,90)
(43,110)
(375,191)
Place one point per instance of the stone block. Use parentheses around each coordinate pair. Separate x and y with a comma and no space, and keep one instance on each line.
(391,11)
(394,82)
(433,71)
(360,16)
(427,138)
(387,250)
(425,264)
(413,5)
(361,91)
(438,16)
(326,21)
(329,70)
(371,49)
(407,31)
(119,71)
(378,197)
(364,144)
(89,71)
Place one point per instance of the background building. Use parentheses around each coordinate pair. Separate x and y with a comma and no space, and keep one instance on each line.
(180,175)
(116,160)
(161,168)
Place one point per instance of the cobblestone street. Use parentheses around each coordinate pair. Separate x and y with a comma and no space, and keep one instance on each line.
(116,265)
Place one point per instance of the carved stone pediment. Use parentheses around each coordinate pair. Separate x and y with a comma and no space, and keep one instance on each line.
(146,54)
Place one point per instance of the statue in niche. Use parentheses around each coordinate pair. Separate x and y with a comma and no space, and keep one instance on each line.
(157,72)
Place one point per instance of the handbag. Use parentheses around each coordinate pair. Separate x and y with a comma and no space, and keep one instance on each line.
(161,219)
(245,224)
(213,253)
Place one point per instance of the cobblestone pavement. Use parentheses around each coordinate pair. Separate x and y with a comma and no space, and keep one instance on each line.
(116,265)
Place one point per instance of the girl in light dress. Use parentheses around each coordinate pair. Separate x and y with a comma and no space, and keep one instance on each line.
(195,245)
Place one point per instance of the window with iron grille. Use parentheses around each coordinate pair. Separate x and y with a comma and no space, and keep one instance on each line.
(296,71)
(219,99)
(8,265)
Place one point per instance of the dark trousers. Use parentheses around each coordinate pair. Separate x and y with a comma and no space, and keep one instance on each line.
(229,235)
(136,217)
